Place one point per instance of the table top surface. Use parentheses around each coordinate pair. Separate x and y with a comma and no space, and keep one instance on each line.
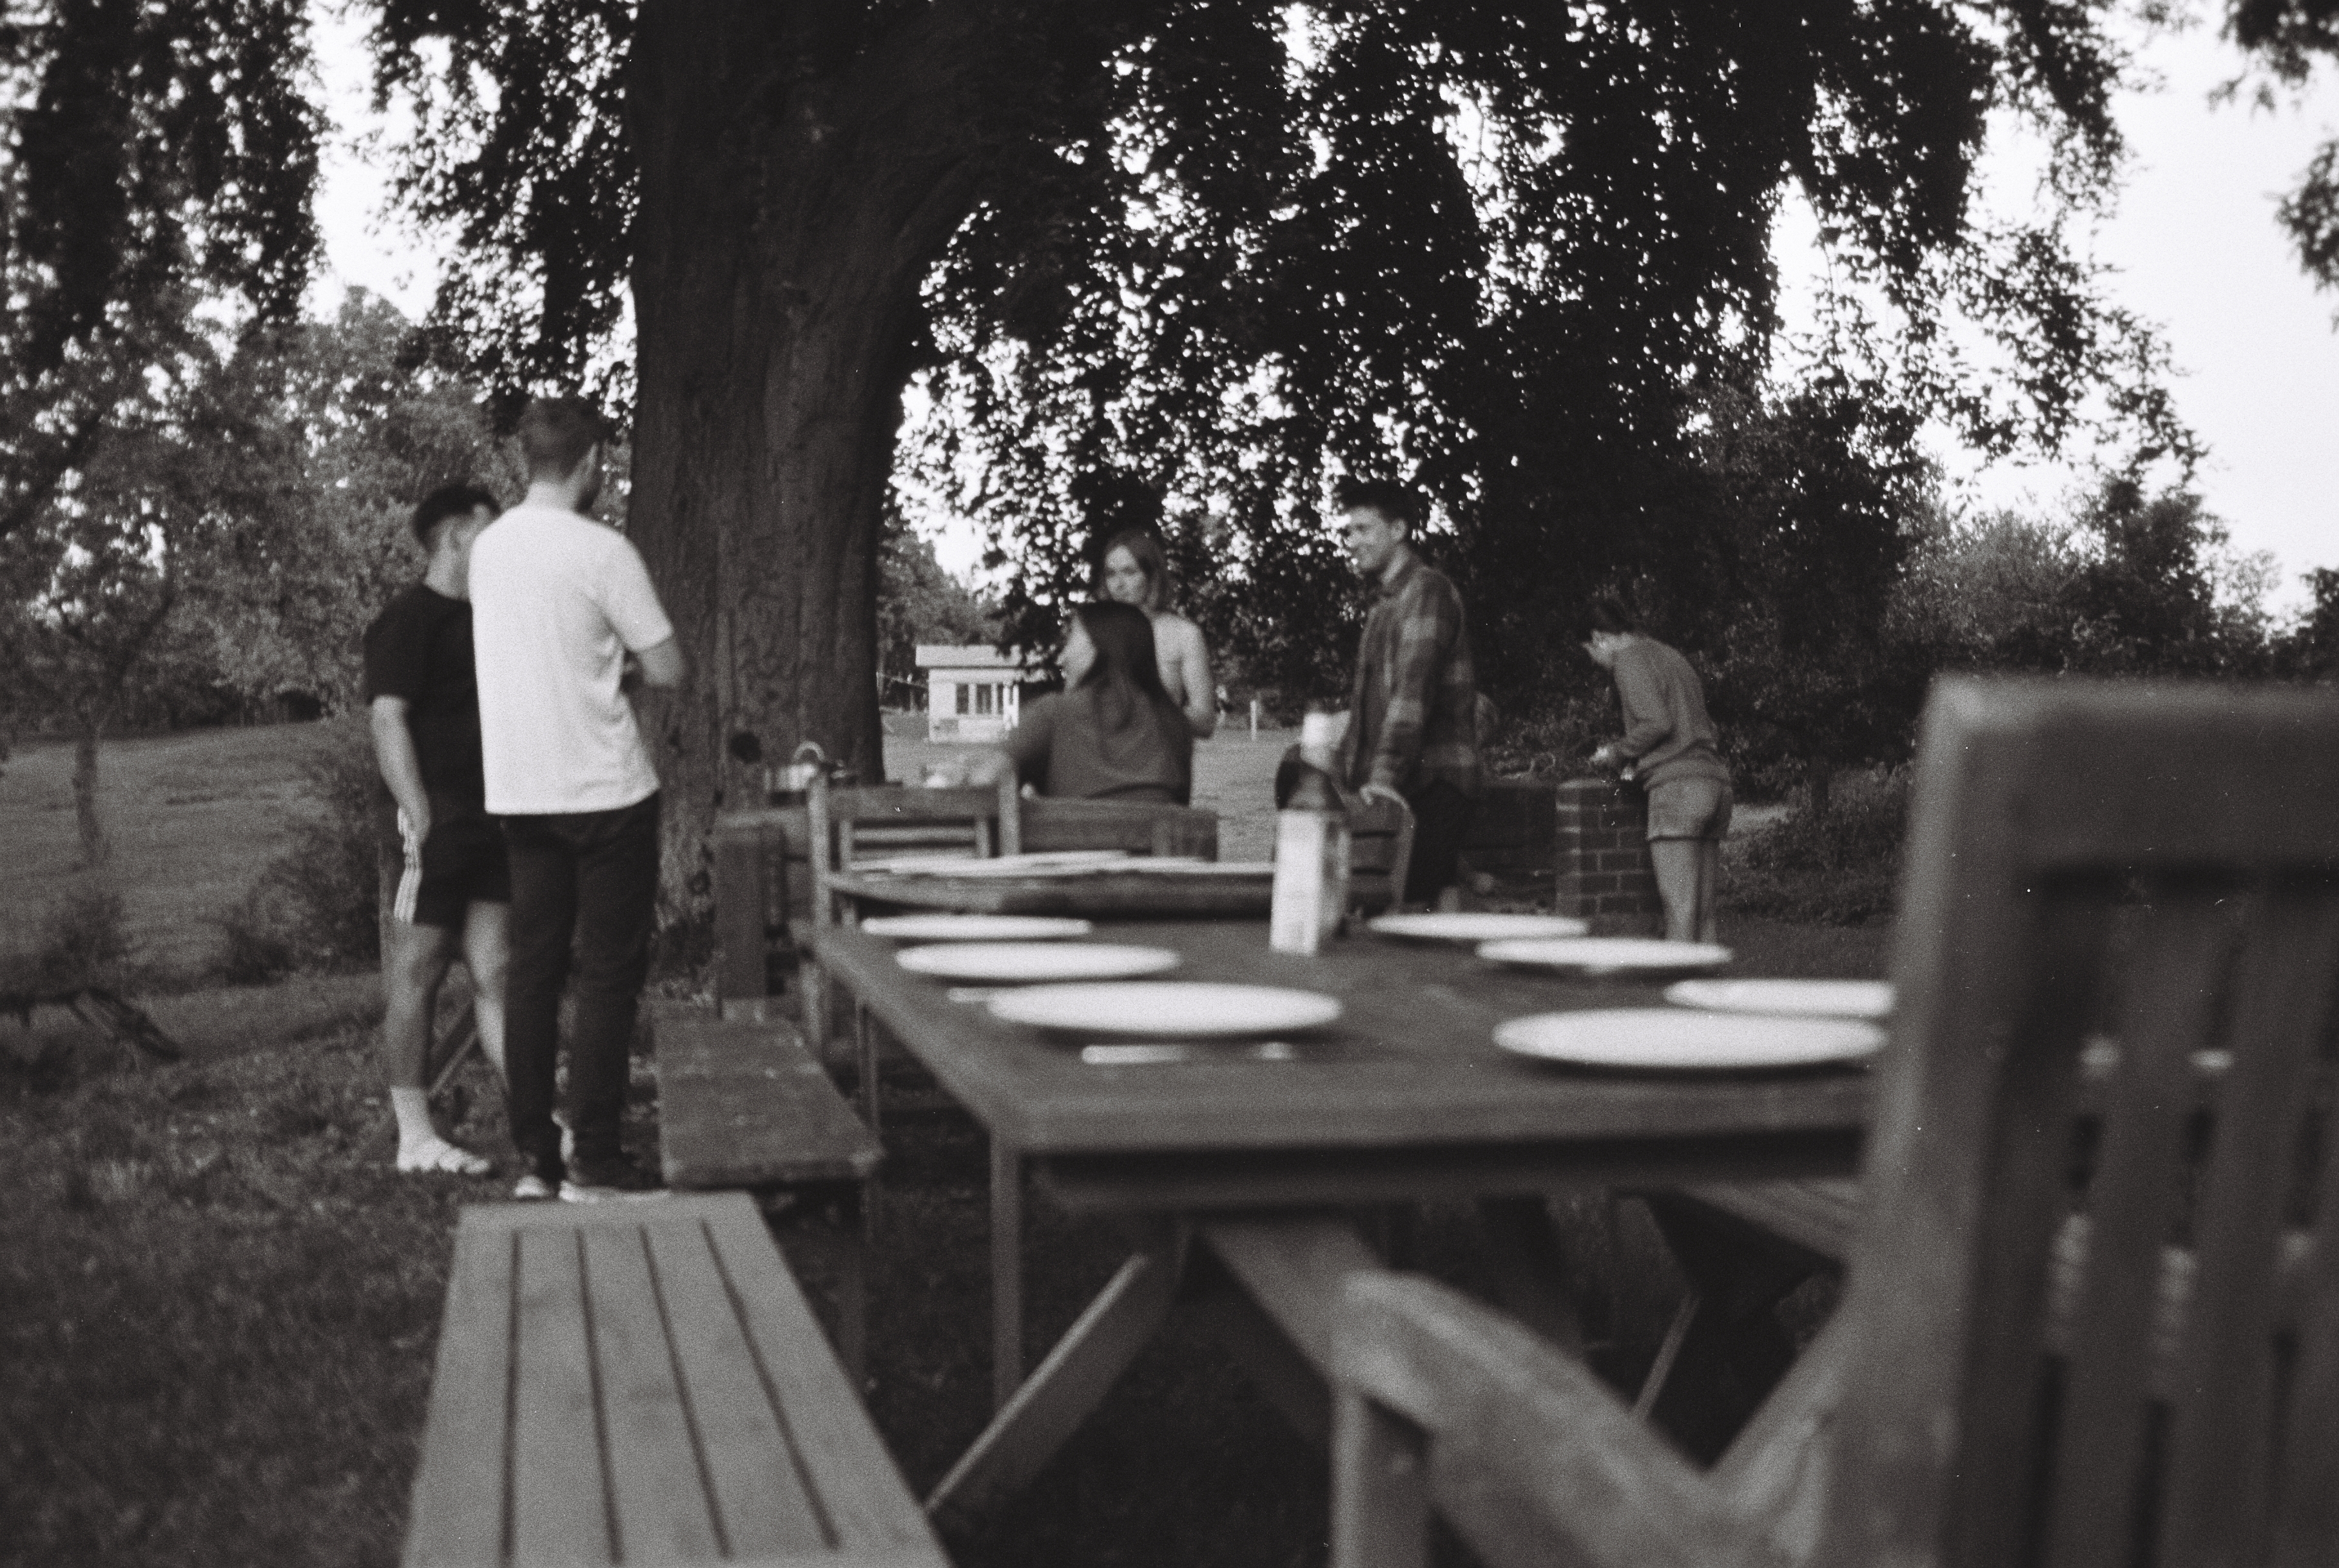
(1411,1064)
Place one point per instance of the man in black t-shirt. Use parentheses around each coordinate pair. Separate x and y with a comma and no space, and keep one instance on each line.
(420,686)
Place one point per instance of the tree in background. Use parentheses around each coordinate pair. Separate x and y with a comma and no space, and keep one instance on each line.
(1499,249)
(164,490)
(1781,594)
(154,155)
(919,601)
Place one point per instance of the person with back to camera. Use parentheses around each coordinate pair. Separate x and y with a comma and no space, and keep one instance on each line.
(1669,745)
(1113,732)
(1133,571)
(559,601)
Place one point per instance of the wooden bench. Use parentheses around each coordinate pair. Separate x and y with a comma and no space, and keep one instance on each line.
(744,1104)
(643,1382)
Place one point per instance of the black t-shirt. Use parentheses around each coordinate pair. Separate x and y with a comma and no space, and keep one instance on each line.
(419,649)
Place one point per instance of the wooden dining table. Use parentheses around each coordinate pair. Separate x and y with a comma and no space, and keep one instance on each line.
(1260,1155)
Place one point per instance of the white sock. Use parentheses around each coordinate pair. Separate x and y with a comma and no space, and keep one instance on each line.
(412,1108)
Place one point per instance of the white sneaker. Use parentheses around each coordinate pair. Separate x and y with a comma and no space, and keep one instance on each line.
(532,1186)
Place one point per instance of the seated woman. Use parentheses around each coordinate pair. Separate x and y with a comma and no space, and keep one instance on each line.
(1113,732)
(1133,571)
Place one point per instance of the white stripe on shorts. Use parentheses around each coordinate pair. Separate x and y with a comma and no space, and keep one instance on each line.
(410,881)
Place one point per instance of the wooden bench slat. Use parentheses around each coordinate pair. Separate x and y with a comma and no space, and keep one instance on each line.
(558,1501)
(656,1485)
(471,1384)
(759,1496)
(744,1103)
(863,1496)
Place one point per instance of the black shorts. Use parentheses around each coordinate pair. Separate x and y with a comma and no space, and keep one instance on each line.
(460,863)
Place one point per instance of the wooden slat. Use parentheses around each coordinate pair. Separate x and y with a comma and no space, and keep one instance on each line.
(559,1498)
(2221,1429)
(744,1103)
(459,1516)
(657,1489)
(2099,1465)
(758,1493)
(861,1494)
(1294,1267)
(2305,1502)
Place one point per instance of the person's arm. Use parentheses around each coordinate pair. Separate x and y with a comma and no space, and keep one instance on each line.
(1028,744)
(1428,627)
(1194,672)
(662,665)
(1647,719)
(402,768)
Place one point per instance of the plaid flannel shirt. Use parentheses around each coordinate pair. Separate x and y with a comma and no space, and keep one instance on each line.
(1413,712)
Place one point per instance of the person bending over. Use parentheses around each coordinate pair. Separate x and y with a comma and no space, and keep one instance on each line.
(1113,732)
(1134,572)
(424,702)
(1669,745)
(561,602)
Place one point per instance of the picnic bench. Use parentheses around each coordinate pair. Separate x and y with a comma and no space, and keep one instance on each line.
(744,1104)
(2091,1304)
(643,1382)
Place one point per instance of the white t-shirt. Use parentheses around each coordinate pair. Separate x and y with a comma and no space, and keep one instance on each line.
(557,602)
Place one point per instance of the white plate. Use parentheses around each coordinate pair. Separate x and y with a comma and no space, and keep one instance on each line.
(1477,927)
(1191,1010)
(1641,956)
(1674,1040)
(975,927)
(1870,999)
(1186,866)
(1057,862)
(1016,962)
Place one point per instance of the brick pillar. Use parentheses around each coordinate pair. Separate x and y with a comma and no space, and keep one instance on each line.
(1603,872)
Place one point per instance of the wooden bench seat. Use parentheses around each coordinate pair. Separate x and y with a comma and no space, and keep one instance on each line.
(643,1382)
(743,1103)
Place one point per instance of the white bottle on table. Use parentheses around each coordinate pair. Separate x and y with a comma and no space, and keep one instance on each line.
(1311,849)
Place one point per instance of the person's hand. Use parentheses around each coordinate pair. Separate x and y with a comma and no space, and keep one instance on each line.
(1381,792)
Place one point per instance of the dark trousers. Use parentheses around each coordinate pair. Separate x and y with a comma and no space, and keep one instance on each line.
(585,881)
(1441,817)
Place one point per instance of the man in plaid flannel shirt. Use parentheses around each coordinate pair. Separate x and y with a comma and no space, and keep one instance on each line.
(1413,729)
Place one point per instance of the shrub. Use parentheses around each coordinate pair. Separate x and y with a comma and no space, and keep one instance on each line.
(1554,739)
(315,906)
(83,942)
(1840,869)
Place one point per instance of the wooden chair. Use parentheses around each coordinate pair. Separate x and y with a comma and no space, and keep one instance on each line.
(850,825)
(1051,824)
(2090,1316)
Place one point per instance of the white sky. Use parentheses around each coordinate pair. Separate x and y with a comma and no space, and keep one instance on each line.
(2195,241)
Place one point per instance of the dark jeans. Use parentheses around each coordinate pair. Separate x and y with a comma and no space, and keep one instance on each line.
(587,878)
(1441,818)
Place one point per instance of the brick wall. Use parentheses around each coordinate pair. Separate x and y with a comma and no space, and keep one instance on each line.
(1603,872)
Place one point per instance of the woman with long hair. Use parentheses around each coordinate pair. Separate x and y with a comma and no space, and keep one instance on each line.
(1133,571)
(1113,731)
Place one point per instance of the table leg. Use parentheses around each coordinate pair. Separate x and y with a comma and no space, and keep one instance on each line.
(1006,1272)
(1068,1383)
(1530,1269)
(864,1036)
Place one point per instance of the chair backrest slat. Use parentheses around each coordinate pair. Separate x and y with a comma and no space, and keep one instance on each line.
(848,825)
(2146,879)
(2222,1442)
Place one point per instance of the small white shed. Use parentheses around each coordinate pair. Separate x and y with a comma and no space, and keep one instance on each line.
(970,692)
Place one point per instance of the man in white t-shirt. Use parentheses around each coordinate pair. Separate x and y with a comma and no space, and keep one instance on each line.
(559,601)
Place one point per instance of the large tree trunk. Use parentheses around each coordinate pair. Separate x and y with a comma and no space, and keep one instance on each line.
(92,827)
(794,194)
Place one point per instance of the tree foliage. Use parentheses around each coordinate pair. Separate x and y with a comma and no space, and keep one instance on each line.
(157,155)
